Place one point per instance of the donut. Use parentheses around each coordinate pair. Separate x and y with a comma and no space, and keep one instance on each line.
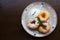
(44,15)
(45,28)
(33,23)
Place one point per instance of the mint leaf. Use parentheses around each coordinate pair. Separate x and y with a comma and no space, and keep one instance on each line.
(39,21)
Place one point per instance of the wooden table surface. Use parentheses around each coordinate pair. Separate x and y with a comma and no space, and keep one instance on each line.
(10,20)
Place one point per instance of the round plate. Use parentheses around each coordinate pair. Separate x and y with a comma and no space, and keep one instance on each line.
(35,8)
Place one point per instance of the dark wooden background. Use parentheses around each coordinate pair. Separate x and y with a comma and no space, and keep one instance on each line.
(10,20)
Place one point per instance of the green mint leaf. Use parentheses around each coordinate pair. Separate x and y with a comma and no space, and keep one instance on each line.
(39,21)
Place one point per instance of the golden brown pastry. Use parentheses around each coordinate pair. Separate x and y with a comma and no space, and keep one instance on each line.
(45,28)
(44,15)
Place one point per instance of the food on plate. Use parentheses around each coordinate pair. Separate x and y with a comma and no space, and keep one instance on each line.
(44,15)
(45,28)
(33,23)
(40,22)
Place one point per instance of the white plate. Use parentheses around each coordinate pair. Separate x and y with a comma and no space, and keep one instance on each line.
(38,7)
